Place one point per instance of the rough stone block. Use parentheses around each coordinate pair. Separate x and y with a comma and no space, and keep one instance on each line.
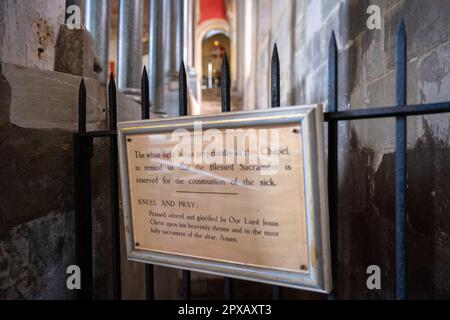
(38,113)
(44,99)
(75,52)
(34,257)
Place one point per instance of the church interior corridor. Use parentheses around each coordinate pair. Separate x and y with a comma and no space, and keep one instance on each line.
(358,207)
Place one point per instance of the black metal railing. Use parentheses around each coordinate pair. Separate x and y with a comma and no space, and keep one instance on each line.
(83,151)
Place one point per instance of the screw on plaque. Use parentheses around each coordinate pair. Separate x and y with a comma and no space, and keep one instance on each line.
(302,267)
(129,139)
(295,131)
(137,244)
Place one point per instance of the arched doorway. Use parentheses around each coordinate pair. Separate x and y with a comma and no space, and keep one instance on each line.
(205,31)
(214,35)
(214,46)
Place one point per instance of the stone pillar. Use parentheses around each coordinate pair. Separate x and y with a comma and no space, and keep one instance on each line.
(173,52)
(97,22)
(165,54)
(246,51)
(232,16)
(129,57)
(156,57)
(189,45)
(173,31)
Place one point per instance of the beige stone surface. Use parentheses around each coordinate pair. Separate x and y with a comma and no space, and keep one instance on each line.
(29,30)
(44,99)
(74,53)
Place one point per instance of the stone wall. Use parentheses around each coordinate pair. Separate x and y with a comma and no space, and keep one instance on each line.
(302,31)
(29,31)
(38,114)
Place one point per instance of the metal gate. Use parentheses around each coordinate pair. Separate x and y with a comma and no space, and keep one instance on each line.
(83,152)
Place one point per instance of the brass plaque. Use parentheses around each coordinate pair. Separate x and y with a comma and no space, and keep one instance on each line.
(241,194)
(218,211)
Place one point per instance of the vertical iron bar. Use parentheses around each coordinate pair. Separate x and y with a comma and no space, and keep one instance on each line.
(275,98)
(225,85)
(400,166)
(83,200)
(112,100)
(333,157)
(82,107)
(226,107)
(275,78)
(228,285)
(182,92)
(186,279)
(183,111)
(145,95)
(276,293)
(150,282)
(145,115)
